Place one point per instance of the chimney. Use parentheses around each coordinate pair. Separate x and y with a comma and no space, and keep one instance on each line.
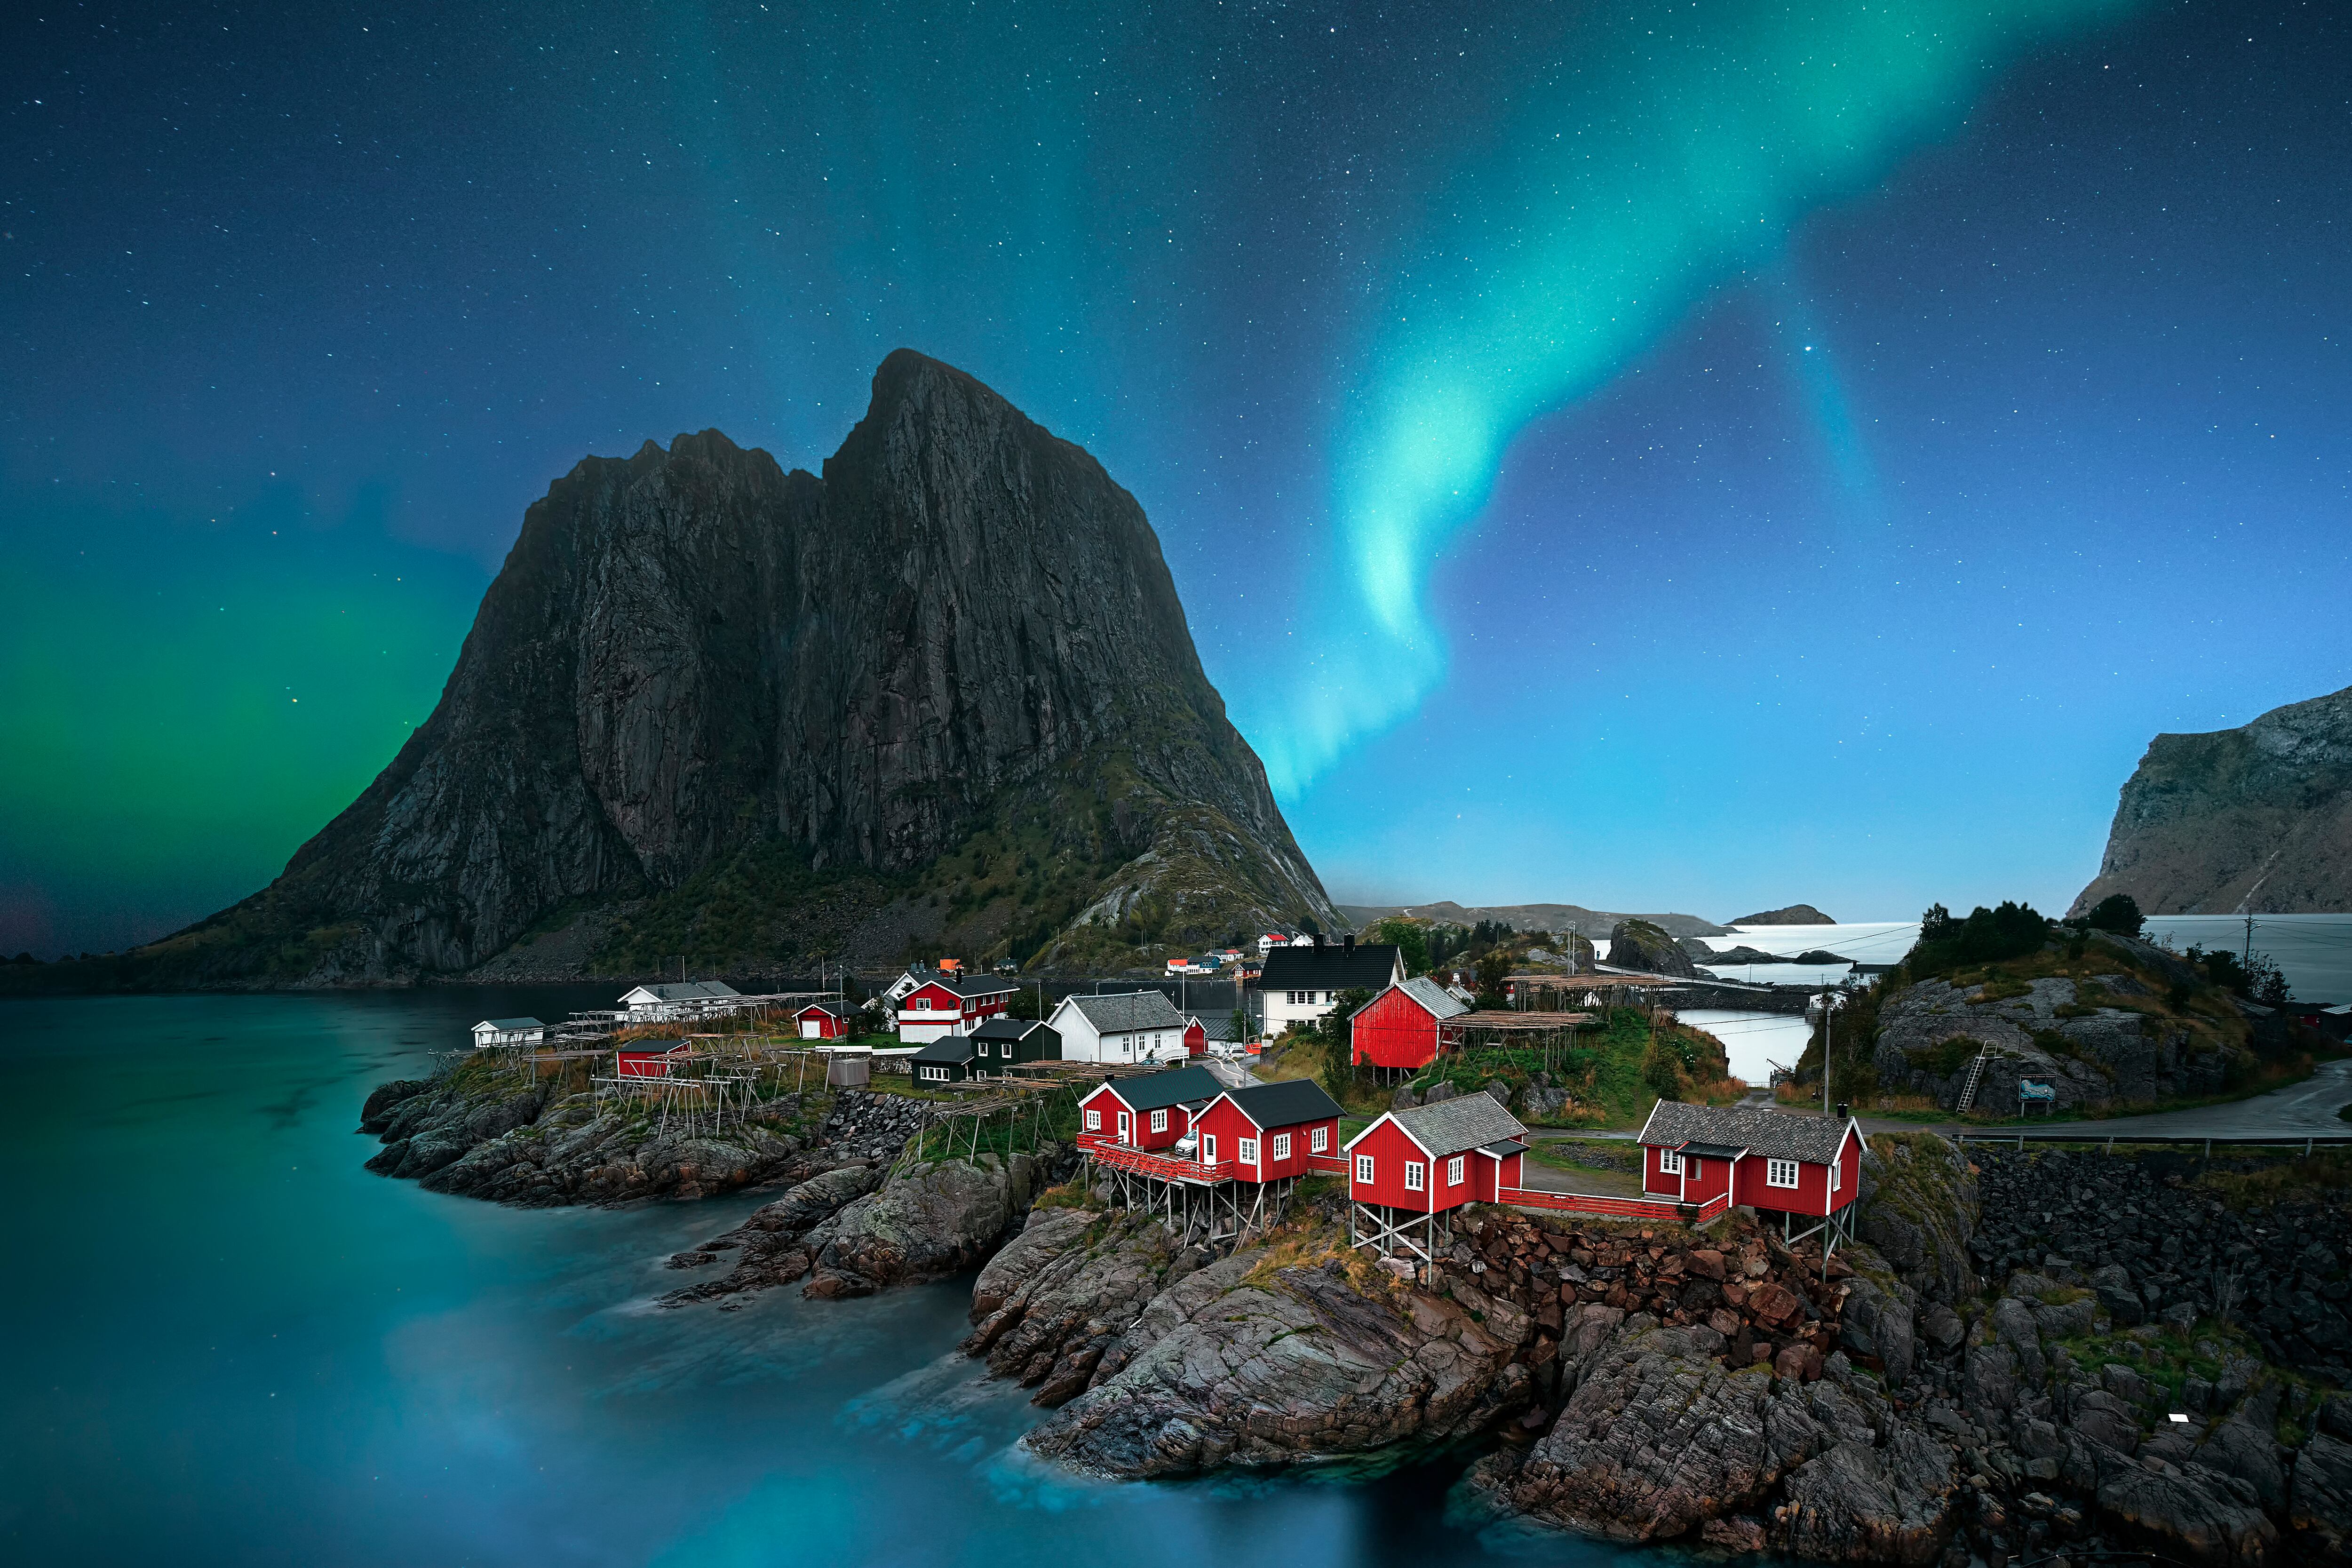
(1319,939)
(1348,941)
(1844,1111)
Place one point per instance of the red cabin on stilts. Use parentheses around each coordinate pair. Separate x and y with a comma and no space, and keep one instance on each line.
(1798,1165)
(1399,1028)
(1266,1132)
(1412,1165)
(1147,1111)
(647,1058)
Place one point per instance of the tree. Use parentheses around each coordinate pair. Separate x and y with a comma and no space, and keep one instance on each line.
(1339,1028)
(2117,912)
(1410,937)
(1661,1068)
(1494,968)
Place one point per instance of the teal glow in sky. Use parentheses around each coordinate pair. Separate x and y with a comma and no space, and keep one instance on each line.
(1667,455)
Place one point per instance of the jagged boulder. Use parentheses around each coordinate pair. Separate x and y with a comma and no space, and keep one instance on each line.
(935,1219)
(1640,944)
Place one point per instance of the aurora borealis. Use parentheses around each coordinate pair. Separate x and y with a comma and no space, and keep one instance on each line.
(1686,456)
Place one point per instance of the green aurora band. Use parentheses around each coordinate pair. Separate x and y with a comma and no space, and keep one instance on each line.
(1681,153)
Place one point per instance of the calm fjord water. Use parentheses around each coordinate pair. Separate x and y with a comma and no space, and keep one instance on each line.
(229,1343)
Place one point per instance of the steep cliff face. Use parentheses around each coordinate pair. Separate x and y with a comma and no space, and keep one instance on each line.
(2262,812)
(943,694)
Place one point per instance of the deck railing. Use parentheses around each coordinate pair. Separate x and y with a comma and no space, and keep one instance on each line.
(1615,1208)
(1167,1168)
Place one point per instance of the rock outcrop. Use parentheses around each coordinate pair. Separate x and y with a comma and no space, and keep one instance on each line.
(946,691)
(1638,945)
(1794,915)
(2257,816)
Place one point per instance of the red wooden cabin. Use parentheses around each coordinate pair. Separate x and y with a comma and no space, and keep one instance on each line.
(822,1021)
(1196,1037)
(1398,1028)
(1795,1163)
(1431,1158)
(1265,1131)
(1149,1110)
(647,1058)
(950,1004)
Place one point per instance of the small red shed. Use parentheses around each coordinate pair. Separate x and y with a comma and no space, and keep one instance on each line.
(1264,1132)
(1398,1028)
(822,1021)
(1149,1110)
(1791,1162)
(1412,1165)
(1196,1037)
(647,1058)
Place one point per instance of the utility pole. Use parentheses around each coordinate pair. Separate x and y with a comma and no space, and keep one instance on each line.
(2246,958)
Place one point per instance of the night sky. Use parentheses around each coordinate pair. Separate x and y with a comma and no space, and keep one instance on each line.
(1694,457)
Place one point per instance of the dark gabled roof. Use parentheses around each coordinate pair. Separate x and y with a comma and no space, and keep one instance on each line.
(658,1048)
(1370,965)
(508,1026)
(966,985)
(1158,1090)
(1014,1029)
(1453,1126)
(689,990)
(831,1009)
(1284,1104)
(1503,1150)
(1434,998)
(947,1049)
(1128,1011)
(1714,1151)
(1782,1134)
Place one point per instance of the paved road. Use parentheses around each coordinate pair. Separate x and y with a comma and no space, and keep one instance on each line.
(2304,1110)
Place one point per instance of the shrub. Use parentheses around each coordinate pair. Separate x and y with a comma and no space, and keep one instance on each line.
(2117,912)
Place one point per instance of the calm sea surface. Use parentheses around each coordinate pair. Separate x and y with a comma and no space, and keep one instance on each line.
(228,1343)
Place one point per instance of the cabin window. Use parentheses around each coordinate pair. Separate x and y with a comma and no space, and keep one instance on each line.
(1837,1172)
(1780,1172)
(1282,1146)
(1364,1168)
(1454,1171)
(1249,1150)
(922,1004)
(1319,1140)
(1670,1163)
(1094,1120)
(1160,1121)
(1416,1176)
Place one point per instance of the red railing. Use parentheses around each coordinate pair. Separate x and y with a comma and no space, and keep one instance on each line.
(1332,1164)
(1164,1167)
(1611,1208)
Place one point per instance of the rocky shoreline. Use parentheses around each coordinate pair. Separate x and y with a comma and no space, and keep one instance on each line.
(2031,1354)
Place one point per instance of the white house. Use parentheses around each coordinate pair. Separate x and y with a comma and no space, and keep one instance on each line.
(678,999)
(1301,984)
(508,1032)
(1129,1026)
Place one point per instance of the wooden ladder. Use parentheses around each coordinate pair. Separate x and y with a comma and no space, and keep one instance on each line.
(1976,1076)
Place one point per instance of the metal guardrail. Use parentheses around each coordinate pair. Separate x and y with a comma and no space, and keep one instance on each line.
(2081,1132)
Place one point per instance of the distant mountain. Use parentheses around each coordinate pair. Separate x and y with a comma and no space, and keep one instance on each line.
(942,699)
(1532,917)
(1794,915)
(2260,816)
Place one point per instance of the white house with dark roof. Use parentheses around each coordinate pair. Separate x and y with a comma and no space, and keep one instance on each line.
(492,1032)
(1302,983)
(678,999)
(1126,1027)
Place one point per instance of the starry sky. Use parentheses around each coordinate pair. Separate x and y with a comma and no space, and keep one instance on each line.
(1693,456)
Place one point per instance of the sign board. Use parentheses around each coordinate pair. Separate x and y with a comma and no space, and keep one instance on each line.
(2029,1090)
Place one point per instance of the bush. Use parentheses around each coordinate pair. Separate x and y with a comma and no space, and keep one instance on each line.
(2117,912)
(1987,936)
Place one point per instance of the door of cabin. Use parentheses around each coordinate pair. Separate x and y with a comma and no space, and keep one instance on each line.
(1126,1127)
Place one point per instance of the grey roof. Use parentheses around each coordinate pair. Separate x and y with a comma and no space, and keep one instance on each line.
(1452,1126)
(1014,1029)
(1158,1090)
(509,1025)
(1782,1134)
(977,984)
(1128,1011)
(1371,965)
(690,991)
(1430,995)
(836,1009)
(1285,1104)
(947,1049)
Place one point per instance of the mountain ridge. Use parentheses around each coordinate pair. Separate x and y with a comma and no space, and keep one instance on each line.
(943,696)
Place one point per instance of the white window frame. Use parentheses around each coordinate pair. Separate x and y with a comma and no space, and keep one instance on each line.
(1416,1176)
(1670,1163)
(1319,1140)
(1281,1147)
(1160,1121)
(1454,1171)
(1248,1151)
(1094,1119)
(1837,1172)
(921,1005)
(1364,1168)
(1781,1174)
